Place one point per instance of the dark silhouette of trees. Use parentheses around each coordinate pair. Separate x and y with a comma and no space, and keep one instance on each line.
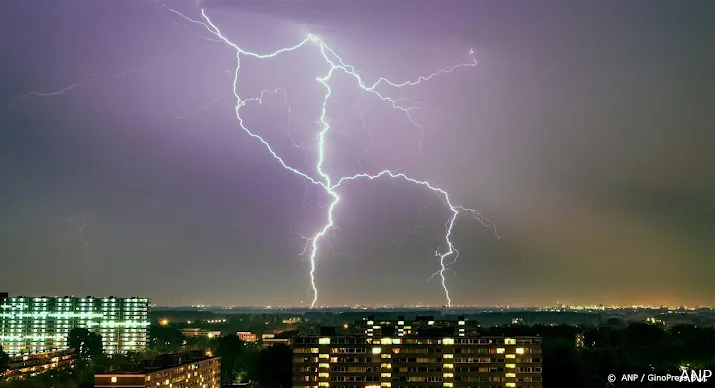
(201,343)
(87,344)
(237,358)
(165,339)
(4,360)
(274,367)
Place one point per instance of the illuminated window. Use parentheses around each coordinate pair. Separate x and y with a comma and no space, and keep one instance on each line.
(510,341)
(500,350)
(324,365)
(448,375)
(388,366)
(511,356)
(519,350)
(449,356)
(448,384)
(510,385)
(510,365)
(323,374)
(323,356)
(114,379)
(324,341)
(461,322)
(448,366)
(314,350)
(510,375)
(386,341)
(386,384)
(386,374)
(448,341)
(376,350)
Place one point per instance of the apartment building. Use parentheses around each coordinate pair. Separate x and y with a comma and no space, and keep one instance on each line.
(30,325)
(430,355)
(192,370)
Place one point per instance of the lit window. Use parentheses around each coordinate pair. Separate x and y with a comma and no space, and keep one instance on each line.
(510,365)
(386,341)
(114,379)
(376,350)
(510,375)
(500,350)
(519,350)
(448,366)
(323,374)
(386,374)
(324,341)
(449,356)
(511,356)
(448,341)
(510,341)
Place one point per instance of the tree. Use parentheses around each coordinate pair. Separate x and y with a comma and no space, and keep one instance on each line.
(165,339)
(235,358)
(4,360)
(87,344)
(274,367)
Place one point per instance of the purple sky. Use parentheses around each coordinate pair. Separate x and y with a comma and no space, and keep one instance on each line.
(585,133)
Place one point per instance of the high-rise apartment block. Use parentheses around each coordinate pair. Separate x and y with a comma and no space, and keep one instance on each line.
(31,325)
(430,354)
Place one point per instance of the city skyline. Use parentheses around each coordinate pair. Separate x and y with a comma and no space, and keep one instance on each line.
(129,175)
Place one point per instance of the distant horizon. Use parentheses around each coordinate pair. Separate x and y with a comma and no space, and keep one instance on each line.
(377,306)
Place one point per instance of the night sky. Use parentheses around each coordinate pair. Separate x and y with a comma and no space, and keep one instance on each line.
(586,133)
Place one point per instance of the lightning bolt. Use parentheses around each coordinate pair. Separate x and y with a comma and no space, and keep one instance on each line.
(324,180)
(72,86)
(80,233)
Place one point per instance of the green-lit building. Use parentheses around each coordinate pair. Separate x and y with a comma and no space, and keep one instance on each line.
(31,325)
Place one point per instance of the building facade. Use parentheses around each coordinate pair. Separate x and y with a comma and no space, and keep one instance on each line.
(30,325)
(427,357)
(21,367)
(268,340)
(196,332)
(179,371)
(247,336)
